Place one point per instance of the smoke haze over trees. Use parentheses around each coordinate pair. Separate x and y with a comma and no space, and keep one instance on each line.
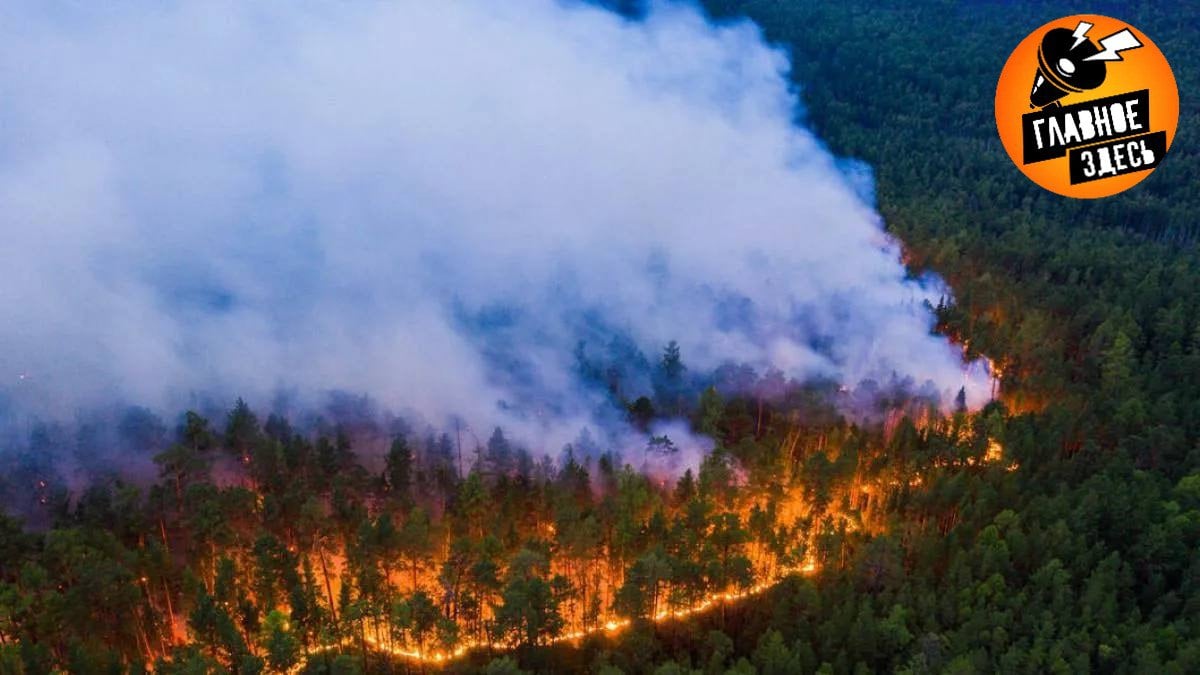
(454,208)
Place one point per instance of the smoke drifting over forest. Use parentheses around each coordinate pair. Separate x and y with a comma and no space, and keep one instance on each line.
(446,206)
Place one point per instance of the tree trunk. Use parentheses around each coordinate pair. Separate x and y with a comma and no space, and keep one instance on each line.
(328,587)
(758,424)
(170,608)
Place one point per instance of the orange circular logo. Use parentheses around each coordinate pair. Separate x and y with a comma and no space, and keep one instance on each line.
(1087,106)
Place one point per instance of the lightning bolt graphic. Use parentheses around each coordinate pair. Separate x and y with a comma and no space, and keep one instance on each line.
(1115,44)
(1080,33)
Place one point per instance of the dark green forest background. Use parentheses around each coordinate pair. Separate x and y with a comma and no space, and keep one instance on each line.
(1089,558)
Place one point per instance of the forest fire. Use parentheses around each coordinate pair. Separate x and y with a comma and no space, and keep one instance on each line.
(265,544)
(609,626)
(571,343)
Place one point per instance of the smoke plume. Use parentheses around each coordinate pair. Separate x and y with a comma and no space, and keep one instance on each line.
(448,206)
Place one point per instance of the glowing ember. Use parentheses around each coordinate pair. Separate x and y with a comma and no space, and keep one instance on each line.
(995,452)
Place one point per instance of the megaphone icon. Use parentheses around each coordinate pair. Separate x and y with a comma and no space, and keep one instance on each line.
(1064,68)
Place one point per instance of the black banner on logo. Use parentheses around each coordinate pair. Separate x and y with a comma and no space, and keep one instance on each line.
(1050,133)
(1117,157)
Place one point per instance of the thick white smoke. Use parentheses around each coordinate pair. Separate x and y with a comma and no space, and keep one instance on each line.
(430,202)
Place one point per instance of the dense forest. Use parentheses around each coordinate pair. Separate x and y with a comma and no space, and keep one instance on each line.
(1057,529)
(261,548)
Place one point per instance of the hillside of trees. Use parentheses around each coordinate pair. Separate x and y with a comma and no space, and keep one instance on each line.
(262,549)
(1056,530)
(1090,562)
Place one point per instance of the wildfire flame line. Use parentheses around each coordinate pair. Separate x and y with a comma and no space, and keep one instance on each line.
(610,626)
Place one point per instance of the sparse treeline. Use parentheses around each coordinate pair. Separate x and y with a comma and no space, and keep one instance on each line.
(259,546)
